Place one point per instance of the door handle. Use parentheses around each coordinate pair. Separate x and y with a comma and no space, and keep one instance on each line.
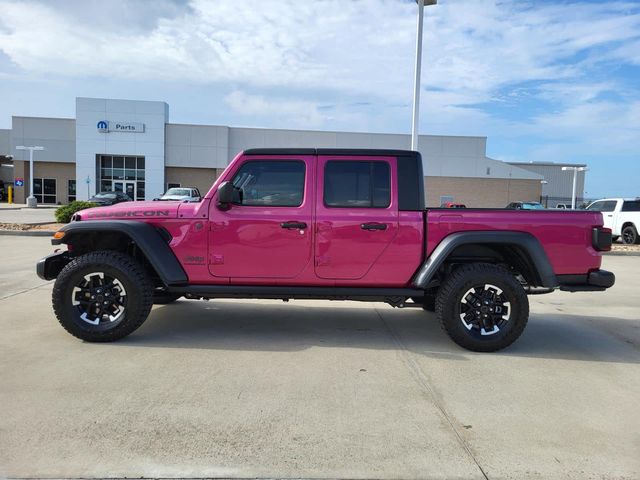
(294,225)
(373,226)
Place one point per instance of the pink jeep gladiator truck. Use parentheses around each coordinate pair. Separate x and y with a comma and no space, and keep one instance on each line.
(322,224)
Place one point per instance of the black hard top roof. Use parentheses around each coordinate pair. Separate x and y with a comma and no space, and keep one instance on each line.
(328,151)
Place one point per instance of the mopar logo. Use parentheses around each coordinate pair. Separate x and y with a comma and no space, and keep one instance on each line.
(103,126)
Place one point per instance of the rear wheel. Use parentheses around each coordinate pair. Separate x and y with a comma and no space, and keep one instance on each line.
(630,235)
(102,296)
(482,307)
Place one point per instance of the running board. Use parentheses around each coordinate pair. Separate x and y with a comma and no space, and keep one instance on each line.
(277,292)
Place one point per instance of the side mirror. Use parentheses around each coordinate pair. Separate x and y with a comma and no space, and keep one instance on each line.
(225,195)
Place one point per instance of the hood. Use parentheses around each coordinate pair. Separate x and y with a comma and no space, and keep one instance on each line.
(132,210)
(164,198)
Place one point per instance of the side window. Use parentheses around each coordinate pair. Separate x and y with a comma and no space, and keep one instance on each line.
(609,206)
(631,206)
(358,184)
(273,183)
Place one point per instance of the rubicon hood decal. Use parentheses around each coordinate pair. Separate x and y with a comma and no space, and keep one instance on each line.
(130,213)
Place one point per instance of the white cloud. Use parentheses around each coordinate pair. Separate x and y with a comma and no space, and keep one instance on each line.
(282,60)
(277,109)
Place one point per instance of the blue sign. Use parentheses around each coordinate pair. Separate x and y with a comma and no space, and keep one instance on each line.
(18,182)
(103,126)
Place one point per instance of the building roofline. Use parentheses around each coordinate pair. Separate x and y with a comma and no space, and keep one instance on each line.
(548,164)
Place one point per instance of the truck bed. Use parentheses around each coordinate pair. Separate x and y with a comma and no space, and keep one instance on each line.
(566,236)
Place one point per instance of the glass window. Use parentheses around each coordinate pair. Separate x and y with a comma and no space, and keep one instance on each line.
(106,186)
(273,183)
(71,190)
(44,189)
(139,190)
(130,162)
(140,163)
(118,162)
(37,186)
(357,184)
(631,206)
(106,161)
(604,206)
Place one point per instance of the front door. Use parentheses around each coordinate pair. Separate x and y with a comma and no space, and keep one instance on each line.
(356,214)
(267,232)
(124,186)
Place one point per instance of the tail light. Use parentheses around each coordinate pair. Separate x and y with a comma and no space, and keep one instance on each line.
(601,239)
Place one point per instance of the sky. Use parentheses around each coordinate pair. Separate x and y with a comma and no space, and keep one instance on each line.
(543,80)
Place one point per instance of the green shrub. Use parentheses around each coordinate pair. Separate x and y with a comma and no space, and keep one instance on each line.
(64,213)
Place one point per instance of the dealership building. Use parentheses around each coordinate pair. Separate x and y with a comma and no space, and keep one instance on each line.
(131,146)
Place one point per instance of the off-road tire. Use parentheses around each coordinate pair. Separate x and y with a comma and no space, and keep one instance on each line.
(449,304)
(630,235)
(127,271)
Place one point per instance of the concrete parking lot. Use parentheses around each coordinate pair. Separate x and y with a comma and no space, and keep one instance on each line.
(315,389)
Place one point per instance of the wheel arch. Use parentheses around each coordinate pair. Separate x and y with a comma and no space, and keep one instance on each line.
(149,242)
(520,250)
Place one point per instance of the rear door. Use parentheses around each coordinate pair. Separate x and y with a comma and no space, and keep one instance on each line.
(267,232)
(356,214)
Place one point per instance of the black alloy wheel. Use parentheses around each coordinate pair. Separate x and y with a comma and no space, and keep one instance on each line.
(102,296)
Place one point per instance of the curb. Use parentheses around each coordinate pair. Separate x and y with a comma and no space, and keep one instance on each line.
(28,233)
(622,254)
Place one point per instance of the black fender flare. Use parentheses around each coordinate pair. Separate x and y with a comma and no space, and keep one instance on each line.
(526,242)
(146,237)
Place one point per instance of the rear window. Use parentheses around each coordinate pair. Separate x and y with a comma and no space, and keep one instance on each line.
(631,206)
(358,184)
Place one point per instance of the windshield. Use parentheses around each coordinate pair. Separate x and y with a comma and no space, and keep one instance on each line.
(105,195)
(183,192)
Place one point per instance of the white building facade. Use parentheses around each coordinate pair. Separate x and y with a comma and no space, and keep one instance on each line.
(131,146)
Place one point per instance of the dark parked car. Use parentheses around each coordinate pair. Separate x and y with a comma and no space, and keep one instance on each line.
(525,206)
(110,198)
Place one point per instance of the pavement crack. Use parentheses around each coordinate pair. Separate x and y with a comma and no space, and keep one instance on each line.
(25,291)
(423,381)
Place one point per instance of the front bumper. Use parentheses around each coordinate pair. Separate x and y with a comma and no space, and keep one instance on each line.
(594,281)
(50,266)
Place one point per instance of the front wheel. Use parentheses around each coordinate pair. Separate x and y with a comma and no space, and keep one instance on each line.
(102,296)
(482,307)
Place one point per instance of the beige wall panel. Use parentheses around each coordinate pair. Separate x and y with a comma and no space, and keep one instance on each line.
(202,178)
(481,192)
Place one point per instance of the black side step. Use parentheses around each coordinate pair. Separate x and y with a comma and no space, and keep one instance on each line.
(278,292)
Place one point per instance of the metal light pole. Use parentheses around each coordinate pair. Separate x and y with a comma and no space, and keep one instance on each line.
(416,80)
(575,174)
(31,200)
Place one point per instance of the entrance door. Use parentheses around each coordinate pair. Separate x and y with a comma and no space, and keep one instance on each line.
(124,186)
(267,231)
(356,214)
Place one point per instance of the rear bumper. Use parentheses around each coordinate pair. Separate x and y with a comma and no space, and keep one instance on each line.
(595,281)
(50,266)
